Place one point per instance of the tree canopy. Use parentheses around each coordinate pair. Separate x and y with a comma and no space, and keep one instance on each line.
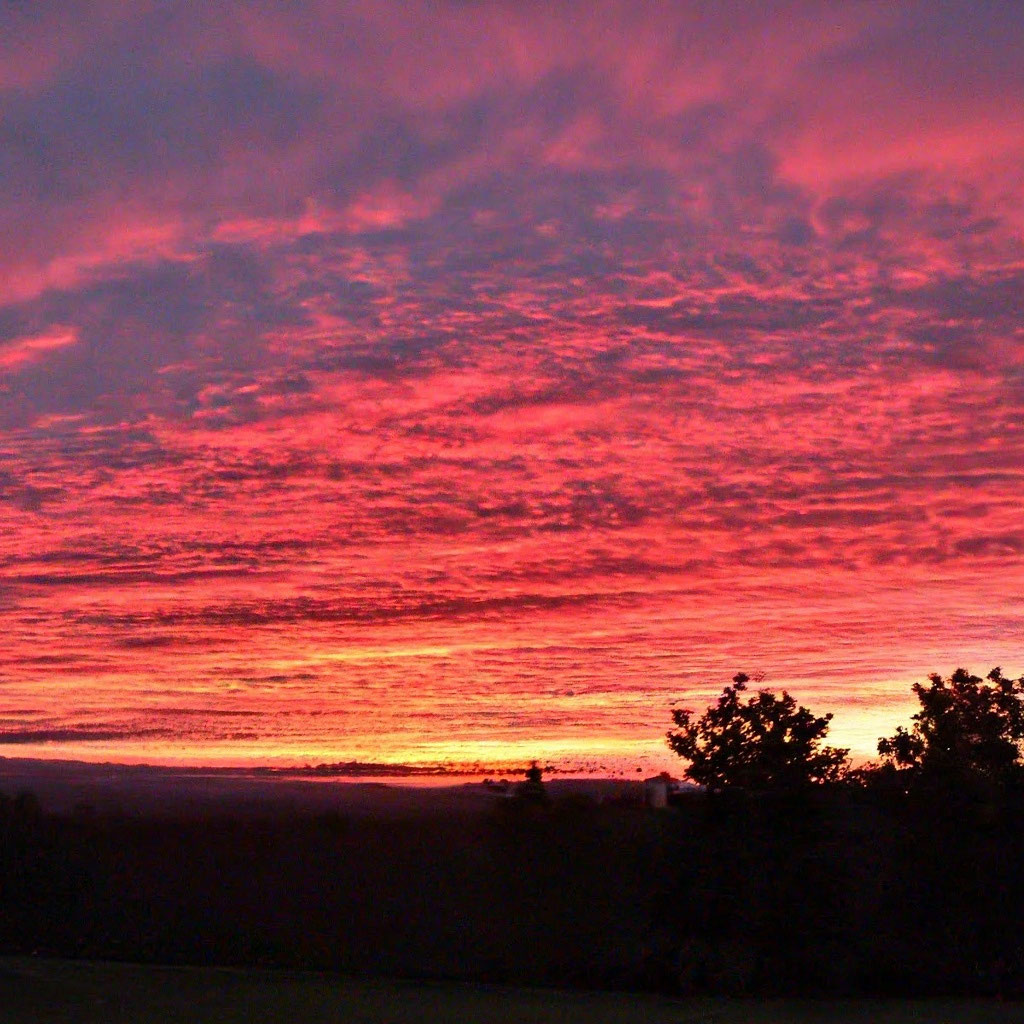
(967,726)
(763,742)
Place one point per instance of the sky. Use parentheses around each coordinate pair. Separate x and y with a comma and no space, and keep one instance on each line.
(468,382)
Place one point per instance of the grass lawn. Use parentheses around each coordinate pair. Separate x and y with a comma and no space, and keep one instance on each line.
(57,991)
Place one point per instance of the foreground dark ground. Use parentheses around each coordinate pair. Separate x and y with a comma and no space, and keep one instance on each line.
(834,893)
(55,991)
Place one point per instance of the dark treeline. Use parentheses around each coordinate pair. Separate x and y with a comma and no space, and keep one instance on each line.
(851,891)
(545,894)
(802,877)
(840,890)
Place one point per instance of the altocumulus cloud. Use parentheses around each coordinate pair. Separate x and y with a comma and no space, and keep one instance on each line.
(657,339)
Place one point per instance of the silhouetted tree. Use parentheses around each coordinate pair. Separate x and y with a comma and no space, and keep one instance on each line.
(967,726)
(532,789)
(764,742)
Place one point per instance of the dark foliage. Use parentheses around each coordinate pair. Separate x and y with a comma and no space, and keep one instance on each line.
(764,742)
(531,790)
(822,890)
(968,729)
(825,890)
(484,897)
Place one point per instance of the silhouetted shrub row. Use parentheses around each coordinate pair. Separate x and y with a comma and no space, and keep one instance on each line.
(832,890)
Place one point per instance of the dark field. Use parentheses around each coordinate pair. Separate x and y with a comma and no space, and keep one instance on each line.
(34,991)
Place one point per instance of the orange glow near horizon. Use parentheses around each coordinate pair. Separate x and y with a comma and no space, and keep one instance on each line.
(469,385)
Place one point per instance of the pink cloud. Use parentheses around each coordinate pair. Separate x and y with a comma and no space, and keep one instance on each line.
(31,349)
(520,370)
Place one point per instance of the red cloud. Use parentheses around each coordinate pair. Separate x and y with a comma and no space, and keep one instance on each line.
(354,365)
